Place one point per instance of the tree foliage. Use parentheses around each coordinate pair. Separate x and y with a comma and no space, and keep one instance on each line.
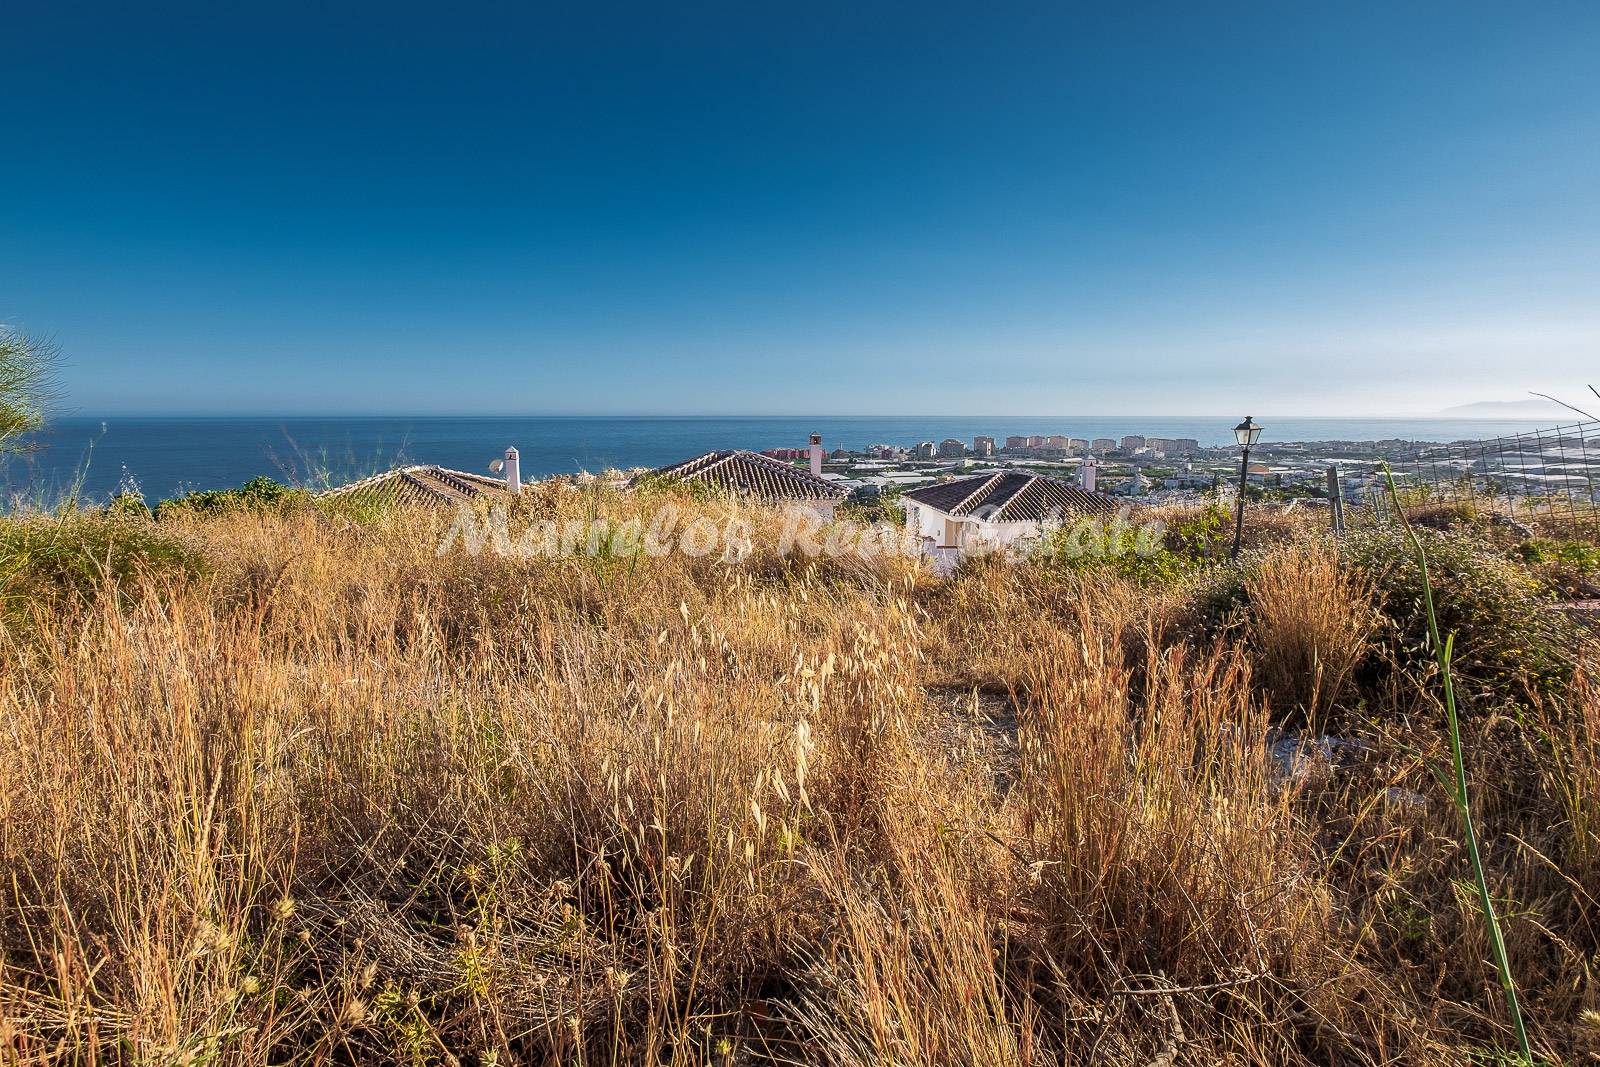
(27,375)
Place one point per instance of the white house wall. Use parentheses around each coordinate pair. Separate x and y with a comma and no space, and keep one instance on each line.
(1005,534)
(928,522)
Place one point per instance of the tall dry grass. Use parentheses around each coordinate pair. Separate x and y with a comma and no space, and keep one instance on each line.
(1310,624)
(1574,776)
(339,799)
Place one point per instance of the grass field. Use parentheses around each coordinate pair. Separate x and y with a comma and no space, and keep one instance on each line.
(279,785)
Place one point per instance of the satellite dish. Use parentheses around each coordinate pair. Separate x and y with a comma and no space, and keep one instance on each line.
(497,465)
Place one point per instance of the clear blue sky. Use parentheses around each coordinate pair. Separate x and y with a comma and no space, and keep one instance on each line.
(818,208)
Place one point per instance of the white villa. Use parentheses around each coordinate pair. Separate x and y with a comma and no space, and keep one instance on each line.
(996,510)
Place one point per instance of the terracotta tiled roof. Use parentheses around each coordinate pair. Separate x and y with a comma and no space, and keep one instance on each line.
(1012,496)
(753,475)
(422,484)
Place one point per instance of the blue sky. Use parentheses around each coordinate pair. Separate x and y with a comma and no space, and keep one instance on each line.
(851,208)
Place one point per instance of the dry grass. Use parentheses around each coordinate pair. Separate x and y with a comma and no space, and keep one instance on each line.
(1574,774)
(336,799)
(1309,625)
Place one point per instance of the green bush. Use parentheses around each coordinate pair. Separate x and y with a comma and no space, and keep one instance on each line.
(361,509)
(1142,548)
(1124,548)
(45,558)
(1508,635)
(258,494)
(1570,568)
(885,507)
(129,505)
(1206,535)
(1219,594)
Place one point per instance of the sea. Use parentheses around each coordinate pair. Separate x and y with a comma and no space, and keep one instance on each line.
(162,457)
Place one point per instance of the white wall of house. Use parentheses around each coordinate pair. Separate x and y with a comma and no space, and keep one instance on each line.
(823,509)
(1007,534)
(925,522)
(965,531)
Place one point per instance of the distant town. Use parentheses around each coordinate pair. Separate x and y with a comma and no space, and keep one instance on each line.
(1155,469)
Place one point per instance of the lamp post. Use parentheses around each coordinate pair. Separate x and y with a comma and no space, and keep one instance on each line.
(1246,433)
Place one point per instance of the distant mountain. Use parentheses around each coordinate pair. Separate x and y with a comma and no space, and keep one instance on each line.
(1532,408)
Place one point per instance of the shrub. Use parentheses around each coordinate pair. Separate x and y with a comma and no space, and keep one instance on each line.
(258,494)
(885,507)
(44,559)
(1202,534)
(1570,568)
(1508,638)
(652,486)
(1131,549)
(130,506)
(1442,515)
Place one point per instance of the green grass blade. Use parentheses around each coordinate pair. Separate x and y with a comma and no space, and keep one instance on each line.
(1443,650)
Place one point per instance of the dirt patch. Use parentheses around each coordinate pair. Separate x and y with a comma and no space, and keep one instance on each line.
(977,725)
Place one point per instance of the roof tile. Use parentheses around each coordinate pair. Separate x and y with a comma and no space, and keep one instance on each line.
(423,484)
(751,474)
(1012,496)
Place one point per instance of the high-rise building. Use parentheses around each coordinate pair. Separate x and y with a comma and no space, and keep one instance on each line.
(924,450)
(1102,445)
(1077,444)
(1131,442)
(983,446)
(1015,442)
(951,447)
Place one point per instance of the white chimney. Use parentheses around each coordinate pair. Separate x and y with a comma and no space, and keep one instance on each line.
(1086,473)
(513,472)
(816,455)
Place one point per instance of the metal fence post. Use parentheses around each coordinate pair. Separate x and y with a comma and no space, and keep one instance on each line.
(1335,499)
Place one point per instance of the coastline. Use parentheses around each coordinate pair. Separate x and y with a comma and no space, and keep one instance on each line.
(166,455)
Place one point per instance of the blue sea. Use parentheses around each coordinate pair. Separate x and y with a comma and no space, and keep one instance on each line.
(168,456)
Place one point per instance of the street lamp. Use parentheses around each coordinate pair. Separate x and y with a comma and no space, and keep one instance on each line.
(1246,433)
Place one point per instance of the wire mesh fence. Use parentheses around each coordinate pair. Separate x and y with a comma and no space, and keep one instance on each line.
(1544,479)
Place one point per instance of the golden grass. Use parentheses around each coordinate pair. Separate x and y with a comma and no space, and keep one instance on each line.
(1310,622)
(341,800)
